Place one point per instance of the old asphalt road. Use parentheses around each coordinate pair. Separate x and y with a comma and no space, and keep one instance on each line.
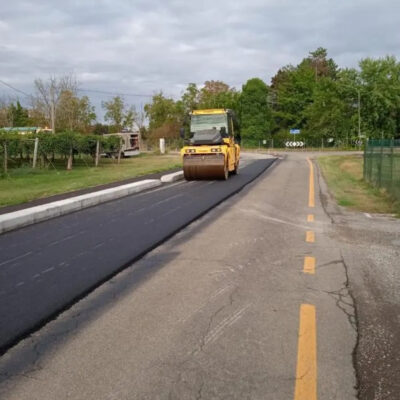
(252,301)
(46,267)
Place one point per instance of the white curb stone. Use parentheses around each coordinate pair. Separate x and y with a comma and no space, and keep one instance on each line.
(28,216)
(175,176)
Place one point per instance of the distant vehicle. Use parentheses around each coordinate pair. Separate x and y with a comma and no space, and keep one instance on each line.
(129,144)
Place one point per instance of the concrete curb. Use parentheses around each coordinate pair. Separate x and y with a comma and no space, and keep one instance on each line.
(28,216)
(175,176)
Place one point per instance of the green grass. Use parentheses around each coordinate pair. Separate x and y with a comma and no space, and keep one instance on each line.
(25,184)
(344,176)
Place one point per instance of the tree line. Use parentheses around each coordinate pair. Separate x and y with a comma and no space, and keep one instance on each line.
(57,105)
(316,96)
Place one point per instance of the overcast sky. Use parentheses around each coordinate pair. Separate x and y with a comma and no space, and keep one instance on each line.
(141,47)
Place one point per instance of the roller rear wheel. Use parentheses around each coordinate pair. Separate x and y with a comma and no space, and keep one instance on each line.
(236,170)
(226,173)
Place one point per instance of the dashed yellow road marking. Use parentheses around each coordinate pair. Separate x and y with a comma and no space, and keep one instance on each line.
(310,218)
(310,237)
(311,202)
(309,265)
(306,372)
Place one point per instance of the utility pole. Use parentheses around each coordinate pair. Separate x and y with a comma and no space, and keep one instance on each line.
(52,109)
(359,114)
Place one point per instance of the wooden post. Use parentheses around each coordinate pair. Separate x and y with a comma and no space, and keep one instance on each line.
(120,150)
(69,163)
(35,151)
(97,153)
(5,157)
(391,164)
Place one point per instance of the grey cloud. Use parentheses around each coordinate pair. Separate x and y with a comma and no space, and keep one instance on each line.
(144,46)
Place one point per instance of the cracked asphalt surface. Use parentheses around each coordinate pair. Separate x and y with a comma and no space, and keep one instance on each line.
(46,266)
(213,313)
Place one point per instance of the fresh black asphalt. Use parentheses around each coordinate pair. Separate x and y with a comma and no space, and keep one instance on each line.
(45,267)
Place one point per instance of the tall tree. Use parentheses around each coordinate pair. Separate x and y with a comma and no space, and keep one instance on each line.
(255,114)
(380,96)
(18,116)
(190,98)
(119,114)
(48,95)
(161,110)
(218,94)
(74,113)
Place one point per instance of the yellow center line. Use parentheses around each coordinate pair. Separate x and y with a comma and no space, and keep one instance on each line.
(306,372)
(310,237)
(310,218)
(309,265)
(311,202)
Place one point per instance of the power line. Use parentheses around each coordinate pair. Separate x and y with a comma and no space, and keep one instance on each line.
(83,90)
(114,94)
(15,89)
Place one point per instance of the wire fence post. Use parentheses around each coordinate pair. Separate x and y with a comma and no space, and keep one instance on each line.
(35,152)
(380,166)
(365,161)
(371,161)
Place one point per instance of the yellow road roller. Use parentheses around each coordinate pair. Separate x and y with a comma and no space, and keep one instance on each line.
(213,150)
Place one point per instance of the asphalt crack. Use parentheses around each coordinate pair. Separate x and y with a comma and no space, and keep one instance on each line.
(200,348)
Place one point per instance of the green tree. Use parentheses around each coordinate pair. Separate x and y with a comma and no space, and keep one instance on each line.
(380,96)
(332,112)
(120,115)
(18,115)
(218,94)
(190,98)
(255,113)
(74,113)
(162,110)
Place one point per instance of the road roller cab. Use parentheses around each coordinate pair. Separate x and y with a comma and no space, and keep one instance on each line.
(213,150)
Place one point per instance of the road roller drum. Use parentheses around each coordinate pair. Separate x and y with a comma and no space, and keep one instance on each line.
(205,166)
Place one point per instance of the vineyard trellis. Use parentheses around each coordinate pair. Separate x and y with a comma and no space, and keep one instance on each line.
(41,149)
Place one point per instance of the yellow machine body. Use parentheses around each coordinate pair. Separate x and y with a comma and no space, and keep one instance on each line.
(212,153)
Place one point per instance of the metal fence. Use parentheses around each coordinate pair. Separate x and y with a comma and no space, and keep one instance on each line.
(382,164)
(298,142)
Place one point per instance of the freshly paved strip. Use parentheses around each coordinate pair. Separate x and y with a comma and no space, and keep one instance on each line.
(29,216)
(47,266)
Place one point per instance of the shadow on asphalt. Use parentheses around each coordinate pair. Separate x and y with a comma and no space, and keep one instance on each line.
(25,357)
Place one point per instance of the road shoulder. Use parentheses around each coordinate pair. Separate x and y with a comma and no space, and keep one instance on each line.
(370,247)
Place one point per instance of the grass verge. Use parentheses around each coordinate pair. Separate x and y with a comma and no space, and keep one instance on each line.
(344,176)
(25,184)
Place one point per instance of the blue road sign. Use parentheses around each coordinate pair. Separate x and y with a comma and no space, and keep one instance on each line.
(295,131)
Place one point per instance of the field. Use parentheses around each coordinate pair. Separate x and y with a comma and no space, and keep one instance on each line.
(344,176)
(25,184)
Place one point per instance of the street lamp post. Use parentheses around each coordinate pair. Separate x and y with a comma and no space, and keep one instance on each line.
(359,114)
(359,108)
